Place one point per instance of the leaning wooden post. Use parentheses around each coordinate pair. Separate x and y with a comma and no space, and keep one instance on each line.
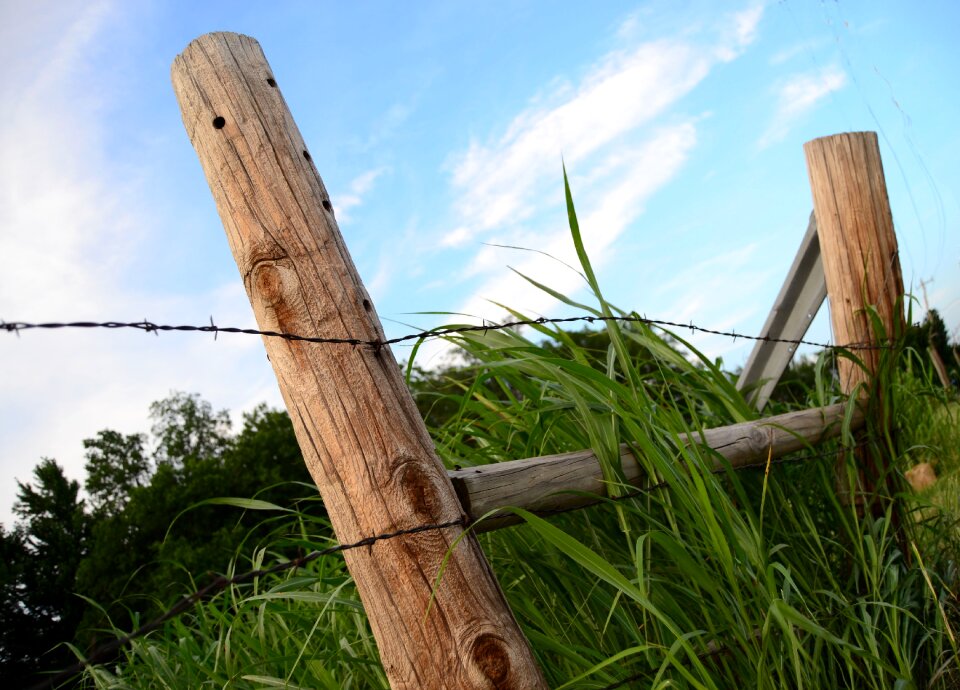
(361,435)
(861,264)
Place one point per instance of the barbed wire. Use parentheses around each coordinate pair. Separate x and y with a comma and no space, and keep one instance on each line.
(221,583)
(431,334)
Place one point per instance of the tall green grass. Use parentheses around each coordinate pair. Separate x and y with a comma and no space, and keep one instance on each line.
(758,578)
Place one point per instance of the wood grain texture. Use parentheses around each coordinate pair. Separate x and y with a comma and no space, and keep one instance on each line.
(361,435)
(546,483)
(862,270)
(857,243)
(800,298)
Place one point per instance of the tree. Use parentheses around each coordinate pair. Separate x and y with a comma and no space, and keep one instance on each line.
(186,428)
(161,539)
(116,465)
(931,336)
(19,640)
(41,558)
(149,538)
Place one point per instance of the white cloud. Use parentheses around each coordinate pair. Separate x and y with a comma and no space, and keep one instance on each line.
(620,94)
(797,96)
(627,180)
(604,127)
(72,224)
(500,182)
(792,51)
(741,31)
(717,293)
(456,237)
(803,92)
(359,187)
(746,23)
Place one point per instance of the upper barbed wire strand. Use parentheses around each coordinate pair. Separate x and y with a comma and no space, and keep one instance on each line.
(441,332)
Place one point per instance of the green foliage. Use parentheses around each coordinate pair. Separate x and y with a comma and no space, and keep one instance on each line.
(931,335)
(40,561)
(23,638)
(151,531)
(758,578)
(116,465)
(143,557)
(187,430)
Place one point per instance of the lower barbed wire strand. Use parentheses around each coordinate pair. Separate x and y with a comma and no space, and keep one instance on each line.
(221,583)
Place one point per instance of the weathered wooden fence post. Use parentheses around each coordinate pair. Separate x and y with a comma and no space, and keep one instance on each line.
(860,259)
(361,435)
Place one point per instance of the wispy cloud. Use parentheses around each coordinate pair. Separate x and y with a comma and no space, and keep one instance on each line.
(358,188)
(73,224)
(739,31)
(499,182)
(607,128)
(627,183)
(798,95)
(717,293)
(456,237)
(792,51)
(603,127)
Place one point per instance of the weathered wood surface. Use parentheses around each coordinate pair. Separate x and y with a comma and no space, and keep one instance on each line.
(857,242)
(862,268)
(361,435)
(799,300)
(546,483)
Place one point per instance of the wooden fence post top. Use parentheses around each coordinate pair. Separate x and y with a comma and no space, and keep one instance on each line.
(360,432)
(857,243)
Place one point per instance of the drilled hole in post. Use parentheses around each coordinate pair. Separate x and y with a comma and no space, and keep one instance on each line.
(219,122)
(366,304)
(272,82)
(306,154)
(327,206)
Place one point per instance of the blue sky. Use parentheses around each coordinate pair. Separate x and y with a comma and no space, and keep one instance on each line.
(440,129)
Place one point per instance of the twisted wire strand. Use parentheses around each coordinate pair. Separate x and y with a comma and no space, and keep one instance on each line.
(432,334)
(221,583)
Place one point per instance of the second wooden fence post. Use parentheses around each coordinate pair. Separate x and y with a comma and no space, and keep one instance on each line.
(861,265)
(361,434)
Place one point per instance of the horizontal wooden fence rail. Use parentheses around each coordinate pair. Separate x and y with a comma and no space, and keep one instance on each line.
(567,480)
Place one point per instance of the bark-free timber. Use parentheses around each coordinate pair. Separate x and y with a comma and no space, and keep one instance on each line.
(794,309)
(857,243)
(545,483)
(862,269)
(361,435)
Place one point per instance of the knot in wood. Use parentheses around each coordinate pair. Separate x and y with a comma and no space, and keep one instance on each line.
(492,656)
(418,482)
(269,283)
(276,294)
(758,439)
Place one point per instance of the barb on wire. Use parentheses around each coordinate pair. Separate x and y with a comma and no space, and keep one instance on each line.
(485,327)
(104,652)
